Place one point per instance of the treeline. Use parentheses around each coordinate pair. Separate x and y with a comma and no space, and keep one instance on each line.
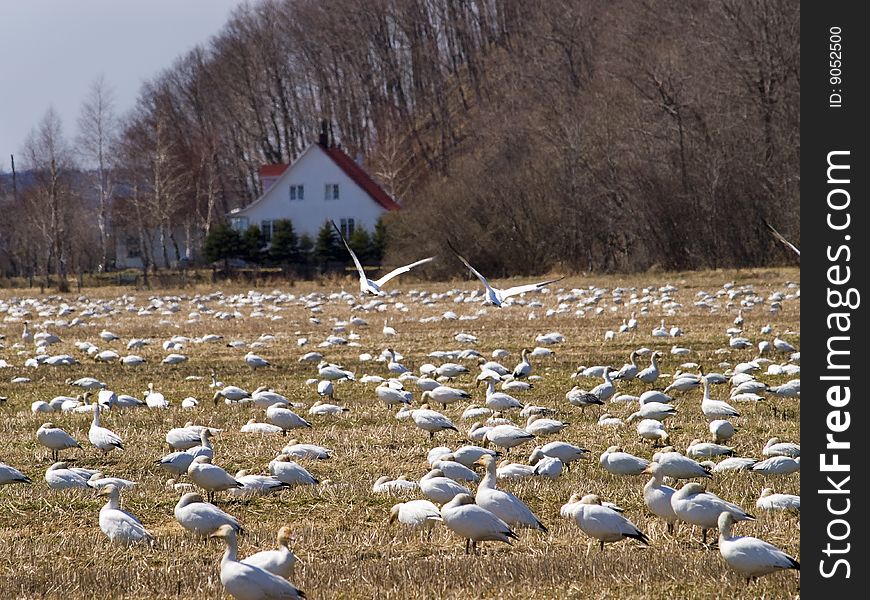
(537,134)
(293,253)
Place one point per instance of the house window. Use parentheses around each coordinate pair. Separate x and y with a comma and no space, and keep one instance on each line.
(297,192)
(347,227)
(331,191)
(239,223)
(266,231)
(133,250)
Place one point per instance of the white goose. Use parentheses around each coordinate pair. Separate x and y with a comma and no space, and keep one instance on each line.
(256,485)
(248,582)
(615,461)
(440,489)
(155,399)
(657,496)
(495,296)
(279,562)
(104,439)
(415,514)
(502,504)
(59,477)
(285,418)
(476,524)
(373,287)
(652,372)
(200,517)
(750,556)
(771,502)
(9,475)
(716,409)
(697,507)
(120,526)
(601,522)
(508,436)
(55,439)
(209,477)
(431,421)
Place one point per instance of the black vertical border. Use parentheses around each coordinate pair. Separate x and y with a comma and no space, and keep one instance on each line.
(825,129)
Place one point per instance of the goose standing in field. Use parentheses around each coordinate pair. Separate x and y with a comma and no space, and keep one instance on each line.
(285,418)
(604,391)
(440,489)
(629,370)
(476,524)
(248,582)
(201,517)
(55,439)
(178,462)
(373,287)
(279,562)
(657,496)
(750,556)
(431,421)
(564,451)
(503,504)
(209,477)
(653,410)
(445,395)
(652,372)
(697,507)
(495,296)
(508,436)
(104,439)
(673,464)
(256,362)
(120,526)
(290,472)
(524,367)
(9,475)
(615,461)
(582,398)
(650,429)
(230,394)
(602,523)
(499,401)
(263,397)
(716,409)
(415,514)
(391,396)
(770,501)
(155,399)
(454,470)
(722,430)
(184,438)
(538,425)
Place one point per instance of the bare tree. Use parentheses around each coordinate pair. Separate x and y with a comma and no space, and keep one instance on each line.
(51,160)
(97,131)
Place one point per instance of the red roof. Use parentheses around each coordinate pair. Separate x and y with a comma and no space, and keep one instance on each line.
(360,177)
(351,169)
(272,170)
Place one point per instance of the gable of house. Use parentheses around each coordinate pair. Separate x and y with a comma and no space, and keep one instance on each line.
(323,183)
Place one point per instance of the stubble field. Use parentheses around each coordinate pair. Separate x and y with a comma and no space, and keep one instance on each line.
(51,545)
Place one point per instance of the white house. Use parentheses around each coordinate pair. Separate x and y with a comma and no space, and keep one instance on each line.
(322,183)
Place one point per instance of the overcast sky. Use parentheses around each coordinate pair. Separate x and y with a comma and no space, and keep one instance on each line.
(53,50)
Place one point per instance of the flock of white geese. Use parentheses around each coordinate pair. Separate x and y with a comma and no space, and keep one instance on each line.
(462,489)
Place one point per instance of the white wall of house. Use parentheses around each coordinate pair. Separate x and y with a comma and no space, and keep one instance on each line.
(313,170)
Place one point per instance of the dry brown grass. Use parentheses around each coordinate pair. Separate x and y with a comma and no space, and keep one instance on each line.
(51,545)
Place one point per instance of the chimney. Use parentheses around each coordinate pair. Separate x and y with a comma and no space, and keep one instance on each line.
(324,136)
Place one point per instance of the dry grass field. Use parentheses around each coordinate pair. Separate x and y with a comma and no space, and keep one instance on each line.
(51,545)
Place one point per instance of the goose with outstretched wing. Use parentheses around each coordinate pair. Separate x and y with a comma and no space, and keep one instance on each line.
(373,287)
(495,296)
(780,237)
